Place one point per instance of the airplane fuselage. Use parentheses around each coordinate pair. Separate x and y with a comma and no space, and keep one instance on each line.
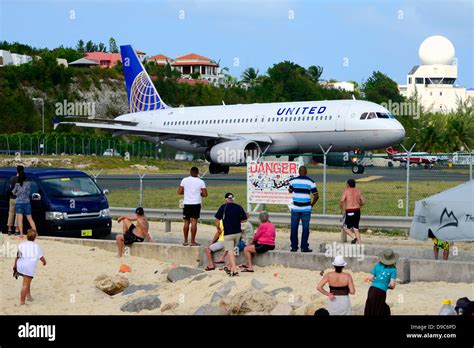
(293,128)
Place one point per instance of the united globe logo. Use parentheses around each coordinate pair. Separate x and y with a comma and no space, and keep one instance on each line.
(143,96)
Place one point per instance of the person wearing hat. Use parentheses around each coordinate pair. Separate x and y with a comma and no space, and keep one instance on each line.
(383,277)
(132,233)
(341,285)
(232,215)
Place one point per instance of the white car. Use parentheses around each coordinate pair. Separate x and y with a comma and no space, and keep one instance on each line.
(183,156)
(111,153)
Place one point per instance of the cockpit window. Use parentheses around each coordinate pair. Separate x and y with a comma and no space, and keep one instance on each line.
(371,115)
(363,116)
(382,115)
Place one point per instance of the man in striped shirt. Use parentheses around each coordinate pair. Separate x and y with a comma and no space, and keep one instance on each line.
(302,187)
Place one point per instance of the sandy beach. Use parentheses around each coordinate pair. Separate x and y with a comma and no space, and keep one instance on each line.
(66,286)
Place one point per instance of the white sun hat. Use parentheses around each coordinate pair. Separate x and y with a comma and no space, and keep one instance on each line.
(339,261)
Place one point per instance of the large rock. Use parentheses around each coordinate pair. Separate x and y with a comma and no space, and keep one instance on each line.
(257,284)
(282,309)
(209,309)
(222,291)
(149,302)
(180,273)
(111,285)
(145,287)
(251,300)
(286,289)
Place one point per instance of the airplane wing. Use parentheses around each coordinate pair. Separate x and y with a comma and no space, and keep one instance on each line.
(126,127)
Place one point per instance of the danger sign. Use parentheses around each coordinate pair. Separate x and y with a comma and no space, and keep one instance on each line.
(267,182)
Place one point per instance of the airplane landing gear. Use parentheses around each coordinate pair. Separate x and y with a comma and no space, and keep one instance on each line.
(215,168)
(358,169)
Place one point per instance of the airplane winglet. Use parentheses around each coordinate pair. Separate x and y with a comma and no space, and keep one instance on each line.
(56,122)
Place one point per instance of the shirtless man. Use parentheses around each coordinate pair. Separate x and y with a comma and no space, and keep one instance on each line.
(132,233)
(350,202)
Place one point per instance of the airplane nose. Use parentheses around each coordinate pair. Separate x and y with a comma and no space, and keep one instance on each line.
(398,134)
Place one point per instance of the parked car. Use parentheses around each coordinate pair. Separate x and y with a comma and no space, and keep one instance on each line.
(111,153)
(64,202)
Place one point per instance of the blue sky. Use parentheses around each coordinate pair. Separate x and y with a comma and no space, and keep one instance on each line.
(350,39)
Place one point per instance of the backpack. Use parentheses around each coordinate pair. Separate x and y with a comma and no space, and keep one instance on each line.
(465,305)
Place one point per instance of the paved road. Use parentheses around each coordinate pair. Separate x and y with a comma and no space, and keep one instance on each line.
(118,181)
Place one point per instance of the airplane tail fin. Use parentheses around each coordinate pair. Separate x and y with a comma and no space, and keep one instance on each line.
(142,94)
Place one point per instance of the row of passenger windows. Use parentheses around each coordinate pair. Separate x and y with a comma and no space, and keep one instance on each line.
(370,115)
(249,120)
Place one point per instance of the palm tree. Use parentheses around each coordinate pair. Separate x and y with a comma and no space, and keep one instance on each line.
(314,73)
(250,76)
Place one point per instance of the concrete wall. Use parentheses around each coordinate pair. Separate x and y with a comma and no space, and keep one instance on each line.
(189,256)
(413,252)
(434,271)
(408,269)
(319,262)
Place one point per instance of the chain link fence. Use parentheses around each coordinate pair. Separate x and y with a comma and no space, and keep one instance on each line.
(390,187)
(58,144)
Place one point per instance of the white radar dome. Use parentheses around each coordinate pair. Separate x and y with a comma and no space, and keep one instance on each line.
(436,50)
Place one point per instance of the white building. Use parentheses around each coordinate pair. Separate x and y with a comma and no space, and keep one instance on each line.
(7,58)
(433,80)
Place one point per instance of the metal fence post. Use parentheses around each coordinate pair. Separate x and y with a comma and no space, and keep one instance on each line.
(8,144)
(470,165)
(141,176)
(324,176)
(407,194)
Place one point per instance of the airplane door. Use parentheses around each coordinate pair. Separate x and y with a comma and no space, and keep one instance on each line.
(340,123)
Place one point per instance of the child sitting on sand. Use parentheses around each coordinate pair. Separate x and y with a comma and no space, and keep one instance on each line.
(25,263)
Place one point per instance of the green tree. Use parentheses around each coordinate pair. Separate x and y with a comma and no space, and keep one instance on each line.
(196,75)
(314,72)
(250,76)
(101,47)
(379,88)
(91,47)
(113,48)
(80,46)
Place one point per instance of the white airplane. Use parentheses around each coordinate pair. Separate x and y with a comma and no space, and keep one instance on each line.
(229,134)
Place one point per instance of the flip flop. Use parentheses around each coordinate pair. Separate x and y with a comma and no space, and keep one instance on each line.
(219,261)
(243,266)
(185,244)
(195,244)
(209,268)
(227,270)
(247,270)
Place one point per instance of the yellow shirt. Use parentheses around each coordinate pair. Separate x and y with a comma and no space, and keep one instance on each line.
(221,237)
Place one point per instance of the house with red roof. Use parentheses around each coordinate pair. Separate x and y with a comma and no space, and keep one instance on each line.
(107,60)
(194,63)
(160,59)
